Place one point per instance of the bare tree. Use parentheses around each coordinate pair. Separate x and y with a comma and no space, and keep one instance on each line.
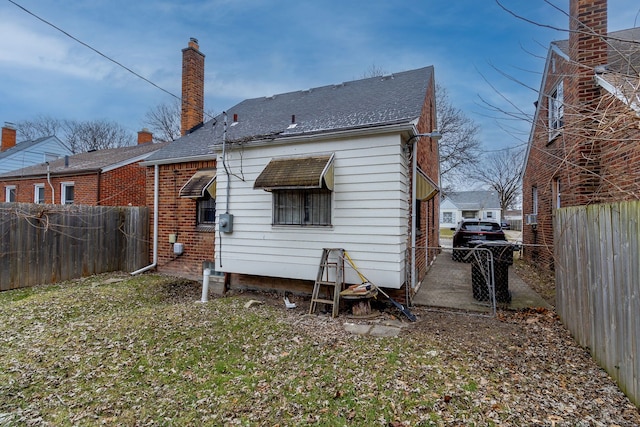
(164,121)
(459,146)
(80,136)
(502,172)
(39,127)
(96,135)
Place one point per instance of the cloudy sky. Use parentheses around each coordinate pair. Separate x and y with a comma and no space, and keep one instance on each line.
(258,48)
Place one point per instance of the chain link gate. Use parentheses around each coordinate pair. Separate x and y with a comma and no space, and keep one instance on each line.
(474,279)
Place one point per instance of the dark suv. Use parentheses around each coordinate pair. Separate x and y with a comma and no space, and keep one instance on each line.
(474,229)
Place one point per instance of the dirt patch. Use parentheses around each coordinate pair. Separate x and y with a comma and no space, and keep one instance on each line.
(544,283)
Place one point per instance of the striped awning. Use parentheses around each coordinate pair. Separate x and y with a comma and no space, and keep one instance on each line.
(310,172)
(425,188)
(201,181)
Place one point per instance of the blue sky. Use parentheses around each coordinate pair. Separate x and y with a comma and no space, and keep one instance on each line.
(258,48)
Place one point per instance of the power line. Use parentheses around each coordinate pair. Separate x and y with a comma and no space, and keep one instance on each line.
(95,50)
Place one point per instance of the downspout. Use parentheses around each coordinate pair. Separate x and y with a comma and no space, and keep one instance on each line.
(53,191)
(156,190)
(414,170)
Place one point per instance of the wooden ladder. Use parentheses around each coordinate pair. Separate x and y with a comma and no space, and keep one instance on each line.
(331,277)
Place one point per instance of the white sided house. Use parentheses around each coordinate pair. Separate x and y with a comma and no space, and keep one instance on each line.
(329,167)
(456,206)
(15,156)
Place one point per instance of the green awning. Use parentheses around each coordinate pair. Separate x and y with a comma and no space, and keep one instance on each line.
(289,173)
(201,181)
(425,188)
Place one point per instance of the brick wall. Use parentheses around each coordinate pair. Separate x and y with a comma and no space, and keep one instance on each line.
(178,216)
(595,154)
(123,186)
(428,161)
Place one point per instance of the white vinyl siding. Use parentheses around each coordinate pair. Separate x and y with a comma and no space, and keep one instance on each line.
(369,213)
(32,154)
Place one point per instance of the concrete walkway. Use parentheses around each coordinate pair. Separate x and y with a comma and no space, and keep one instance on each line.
(448,285)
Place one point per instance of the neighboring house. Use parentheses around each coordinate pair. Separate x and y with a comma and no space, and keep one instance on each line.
(459,205)
(111,177)
(584,146)
(27,153)
(288,175)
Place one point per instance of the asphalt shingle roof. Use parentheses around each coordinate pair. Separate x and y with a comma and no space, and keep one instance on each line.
(376,101)
(474,199)
(623,52)
(87,162)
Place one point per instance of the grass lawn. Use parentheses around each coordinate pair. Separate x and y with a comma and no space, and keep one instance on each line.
(121,350)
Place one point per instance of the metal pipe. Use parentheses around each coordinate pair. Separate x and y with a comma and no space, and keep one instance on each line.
(205,285)
(156,198)
(53,191)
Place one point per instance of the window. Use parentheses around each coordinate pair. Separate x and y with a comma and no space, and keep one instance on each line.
(38,193)
(10,193)
(67,193)
(489,214)
(534,199)
(556,193)
(302,207)
(206,210)
(556,109)
(50,157)
(447,217)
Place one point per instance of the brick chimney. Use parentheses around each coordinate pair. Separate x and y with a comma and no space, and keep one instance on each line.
(145,136)
(8,136)
(587,44)
(587,50)
(192,86)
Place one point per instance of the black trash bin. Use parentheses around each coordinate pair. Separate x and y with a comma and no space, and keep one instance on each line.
(502,252)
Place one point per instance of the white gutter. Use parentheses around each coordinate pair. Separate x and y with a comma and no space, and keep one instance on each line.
(53,191)
(156,190)
(414,167)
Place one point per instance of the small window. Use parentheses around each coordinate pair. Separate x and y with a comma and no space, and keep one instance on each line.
(489,214)
(10,193)
(556,193)
(447,217)
(302,207)
(534,199)
(38,194)
(556,109)
(50,157)
(206,210)
(68,190)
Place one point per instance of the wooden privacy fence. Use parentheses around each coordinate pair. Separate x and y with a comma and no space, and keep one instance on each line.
(49,243)
(597,259)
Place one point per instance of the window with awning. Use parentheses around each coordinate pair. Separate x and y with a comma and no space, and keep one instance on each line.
(301,189)
(297,173)
(203,181)
(425,188)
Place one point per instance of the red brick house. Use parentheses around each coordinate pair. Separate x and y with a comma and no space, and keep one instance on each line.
(584,146)
(180,184)
(111,177)
(373,163)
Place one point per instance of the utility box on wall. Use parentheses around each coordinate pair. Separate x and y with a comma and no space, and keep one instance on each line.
(226,223)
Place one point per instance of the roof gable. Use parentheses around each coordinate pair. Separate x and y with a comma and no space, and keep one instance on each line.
(366,103)
(472,200)
(31,151)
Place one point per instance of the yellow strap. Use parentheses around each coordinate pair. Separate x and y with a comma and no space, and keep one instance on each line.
(364,279)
